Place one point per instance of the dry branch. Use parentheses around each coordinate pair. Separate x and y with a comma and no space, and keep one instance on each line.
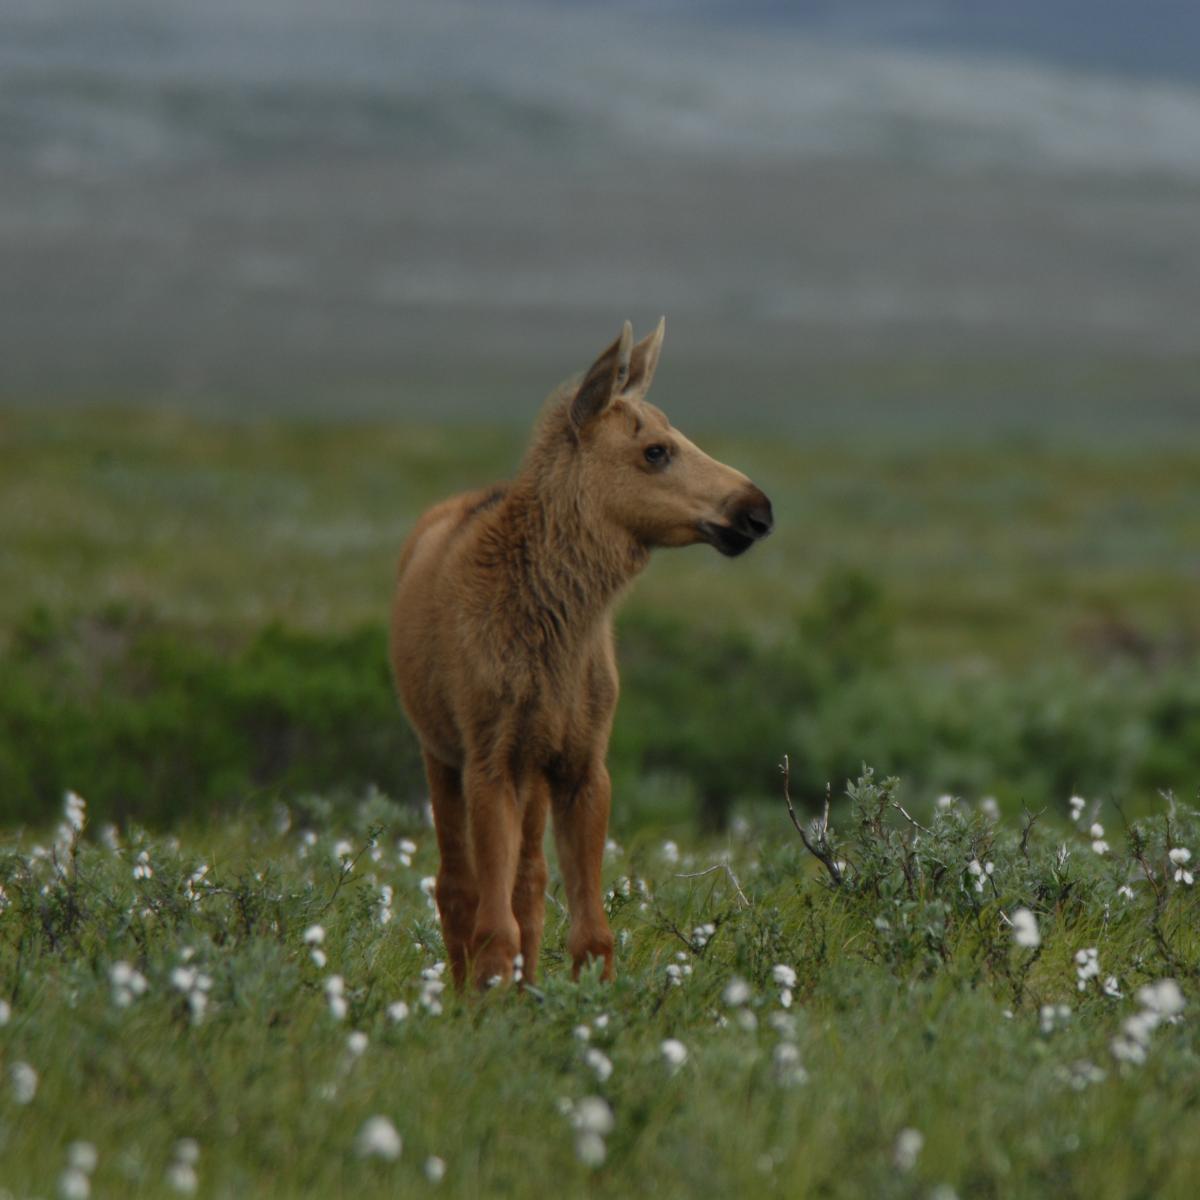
(820,849)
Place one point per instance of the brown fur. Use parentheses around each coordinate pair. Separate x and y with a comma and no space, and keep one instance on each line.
(502,648)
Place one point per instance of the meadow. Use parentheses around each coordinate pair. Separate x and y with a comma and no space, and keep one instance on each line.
(221,973)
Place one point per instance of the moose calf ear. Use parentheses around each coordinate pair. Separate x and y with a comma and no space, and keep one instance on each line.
(604,380)
(644,360)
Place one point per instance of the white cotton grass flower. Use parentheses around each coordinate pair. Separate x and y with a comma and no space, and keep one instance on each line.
(1087,967)
(1025,929)
(141,867)
(1164,998)
(786,1060)
(335,996)
(1161,1002)
(1180,856)
(593,1122)
(397,1011)
(74,1184)
(432,987)
(343,852)
(435,1169)
(945,802)
(181,1173)
(1096,833)
(195,985)
(386,895)
(736,993)
(357,1043)
(1078,804)
(1125,892)
(675,1053)
(670,853)
(582,1033)
(128,984)
(406,848)
(82,1156)
(75,812)
(1051,1016)
(908,1147)
(702,935)
(24,1080)
(182,1178)
(314,935)
(378,1139)
(599,1062)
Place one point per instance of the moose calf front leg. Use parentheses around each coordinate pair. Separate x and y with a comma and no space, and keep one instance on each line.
(580,832)
(495,846)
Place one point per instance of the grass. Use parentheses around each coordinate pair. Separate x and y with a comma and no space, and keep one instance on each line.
(1002,552)
(192,635)
(913,1008)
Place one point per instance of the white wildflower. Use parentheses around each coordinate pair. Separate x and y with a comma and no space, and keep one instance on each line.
(736,993)
(582,1032)
(24,1082)
(397,1011)
(435,1169)
(1096,833)
(675,1052)
(786,1060)
(990,808)
(909,1143)
(590,1149)
(1112,987)
(784,975)
(82,1157)
(1053,1015)
(141,867)
(343,852)
(335,995)
(378,1139)
(356,1043)
(1125,892)
(1163,998)
(593,1115)
(1078,804)
(1025,929)
(314,935)
(1180,856)
(127,984)
(1087,967)
(75,811)
(187,1150)
(599,1062)
(670,853)
(182,1178)
(73,1184)
(945,802)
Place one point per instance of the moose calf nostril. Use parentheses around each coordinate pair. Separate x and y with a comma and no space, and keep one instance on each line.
(757,521)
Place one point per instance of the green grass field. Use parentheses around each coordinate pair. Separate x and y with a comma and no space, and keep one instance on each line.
(768,1034)
(191,637)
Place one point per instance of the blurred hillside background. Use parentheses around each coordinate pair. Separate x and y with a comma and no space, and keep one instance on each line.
(932,277)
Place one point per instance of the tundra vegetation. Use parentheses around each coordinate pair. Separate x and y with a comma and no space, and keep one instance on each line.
(238,991)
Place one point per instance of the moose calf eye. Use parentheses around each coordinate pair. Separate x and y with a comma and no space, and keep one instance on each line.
(656,455)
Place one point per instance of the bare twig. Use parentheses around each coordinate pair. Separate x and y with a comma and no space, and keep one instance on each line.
(1031,819)
(737,887)
(819,851)
(908,816)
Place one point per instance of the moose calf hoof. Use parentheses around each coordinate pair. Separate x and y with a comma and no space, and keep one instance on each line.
(585,950)
(493,959)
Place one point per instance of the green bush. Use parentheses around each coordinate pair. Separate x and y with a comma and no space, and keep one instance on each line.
(162,724)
